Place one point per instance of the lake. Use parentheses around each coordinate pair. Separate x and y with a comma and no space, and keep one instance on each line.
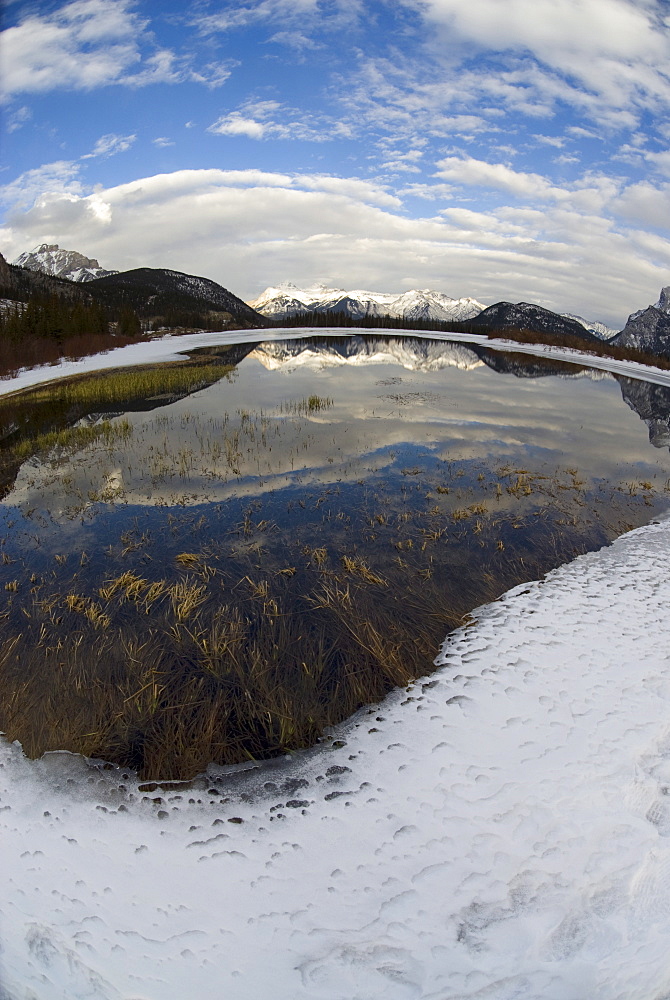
(217,559)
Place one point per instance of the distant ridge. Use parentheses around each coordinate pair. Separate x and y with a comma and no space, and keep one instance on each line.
(173,295)
(285,300)
(160,297)
(526,316)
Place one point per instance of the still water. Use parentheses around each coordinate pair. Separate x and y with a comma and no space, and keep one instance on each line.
(218,559)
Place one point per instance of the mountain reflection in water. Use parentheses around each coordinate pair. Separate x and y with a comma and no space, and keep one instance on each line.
(219,558)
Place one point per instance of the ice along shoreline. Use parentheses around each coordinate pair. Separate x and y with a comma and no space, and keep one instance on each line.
(173,347)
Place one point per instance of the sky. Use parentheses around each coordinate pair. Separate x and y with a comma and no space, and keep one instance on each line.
(500,149)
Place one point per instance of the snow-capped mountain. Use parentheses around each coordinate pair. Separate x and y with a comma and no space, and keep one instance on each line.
(280,302)
(50,259)
(593,326)
(285,300)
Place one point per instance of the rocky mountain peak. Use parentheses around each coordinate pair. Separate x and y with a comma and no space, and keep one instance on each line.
(49,258)
(648,329)
(663,303)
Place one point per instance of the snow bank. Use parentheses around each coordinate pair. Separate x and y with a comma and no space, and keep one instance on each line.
(500,831)
(173,348)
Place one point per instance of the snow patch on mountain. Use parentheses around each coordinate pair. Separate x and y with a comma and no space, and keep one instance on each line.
(595,327)
(285,300)
(49,258)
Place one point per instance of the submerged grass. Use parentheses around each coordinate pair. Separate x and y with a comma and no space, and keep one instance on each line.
(169,665)
(74,438)
(245,629)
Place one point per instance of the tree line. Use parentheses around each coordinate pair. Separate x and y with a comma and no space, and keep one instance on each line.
(342,319)
(56,318)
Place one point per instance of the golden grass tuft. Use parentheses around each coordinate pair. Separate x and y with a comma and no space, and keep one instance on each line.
(359,568)
(185,597)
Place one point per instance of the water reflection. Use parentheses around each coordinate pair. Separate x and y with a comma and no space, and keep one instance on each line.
(218,558)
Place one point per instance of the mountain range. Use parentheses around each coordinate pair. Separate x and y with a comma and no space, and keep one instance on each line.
(173,299)
(283,301)
(160,297)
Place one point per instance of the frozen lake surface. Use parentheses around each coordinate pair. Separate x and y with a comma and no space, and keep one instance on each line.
(499,831)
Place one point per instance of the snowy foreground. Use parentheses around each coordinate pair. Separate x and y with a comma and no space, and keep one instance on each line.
(500,831)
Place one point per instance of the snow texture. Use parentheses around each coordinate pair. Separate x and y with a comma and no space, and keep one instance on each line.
(499,831)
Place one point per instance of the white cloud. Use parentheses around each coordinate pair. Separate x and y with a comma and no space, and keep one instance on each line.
(467,170)
(351,187)
(297,40)
(616,49)
(552,28)
(109,145)
(567,158)
(212,74)
(647,204)
(591,193)
(18,118)
(258,120)
(87,44)
(82,45)
(236,124)
(162,141)
(60,177)
(249,229)
(550,140)
(660,161)
(607,60)
(582,133)
(428,192)
(296,17)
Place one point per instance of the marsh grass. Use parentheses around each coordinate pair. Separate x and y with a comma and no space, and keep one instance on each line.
(242,629)
(121,385)
(53,415)
(171,663)
(74,438)
(311,404)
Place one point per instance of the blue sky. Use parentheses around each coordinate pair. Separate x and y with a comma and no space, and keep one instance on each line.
(504,149)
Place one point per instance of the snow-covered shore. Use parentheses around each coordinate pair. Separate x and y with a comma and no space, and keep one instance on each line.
(501,831)
(173,347)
